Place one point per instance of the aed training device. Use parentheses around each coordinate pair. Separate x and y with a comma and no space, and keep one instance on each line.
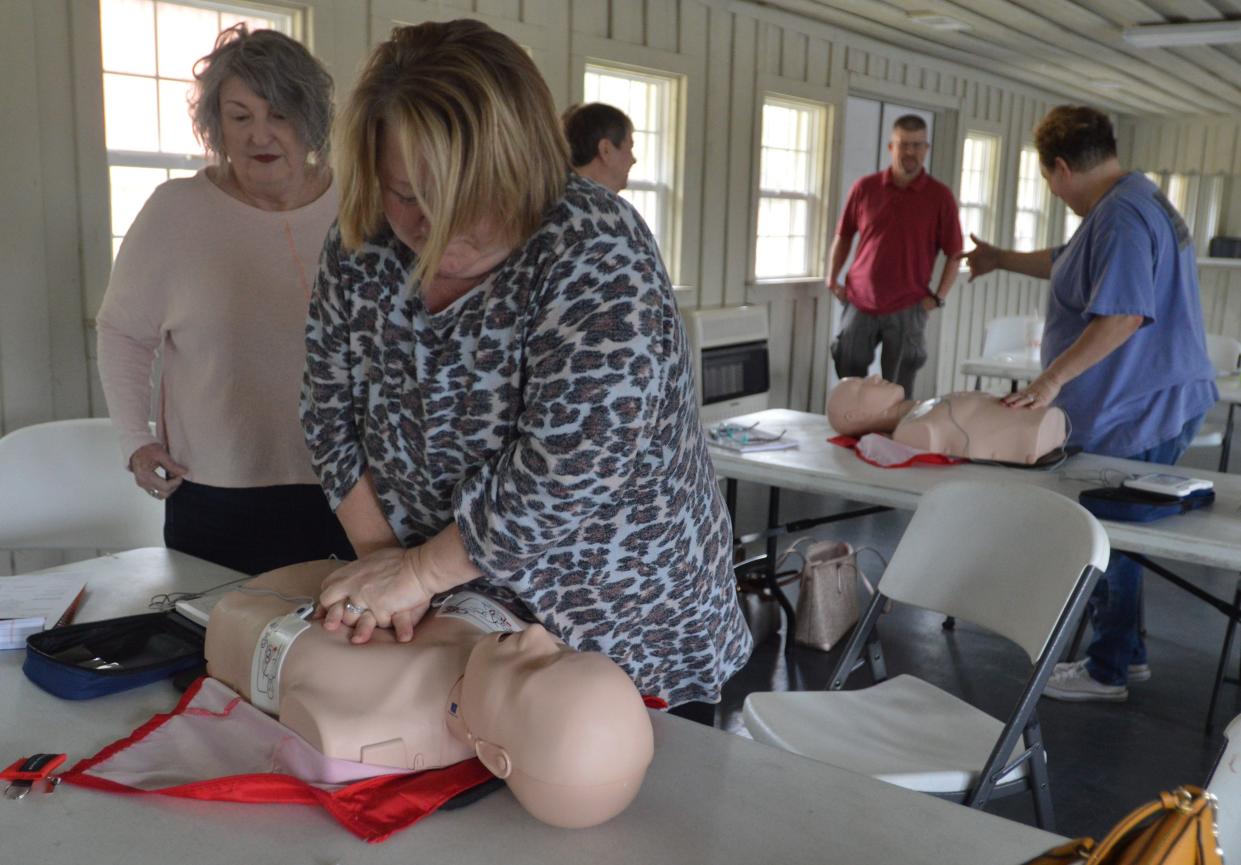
(1178,486)
(1126,504)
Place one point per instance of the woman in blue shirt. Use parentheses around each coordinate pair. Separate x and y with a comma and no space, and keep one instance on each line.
(1124,350)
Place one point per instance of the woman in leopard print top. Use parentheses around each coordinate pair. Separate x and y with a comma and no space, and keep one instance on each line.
(498,385)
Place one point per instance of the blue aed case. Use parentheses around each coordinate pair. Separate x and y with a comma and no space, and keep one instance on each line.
(97,658)
(1124,504)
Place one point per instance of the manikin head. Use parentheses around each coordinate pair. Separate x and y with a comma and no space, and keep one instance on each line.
(567,730)
(857,406)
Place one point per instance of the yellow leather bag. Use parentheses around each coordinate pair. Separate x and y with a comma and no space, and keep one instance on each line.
(1177,829)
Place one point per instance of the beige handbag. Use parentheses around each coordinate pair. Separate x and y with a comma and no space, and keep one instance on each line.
(827,602)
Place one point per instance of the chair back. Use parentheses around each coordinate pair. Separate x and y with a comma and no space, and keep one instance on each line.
(1225,783)
(63,486)
(1224,351)
(1009,333)
(1006,556)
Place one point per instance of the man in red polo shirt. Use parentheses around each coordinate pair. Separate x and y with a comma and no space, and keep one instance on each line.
(904,218)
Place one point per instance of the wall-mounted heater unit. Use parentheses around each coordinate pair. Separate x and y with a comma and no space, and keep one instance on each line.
(730,360)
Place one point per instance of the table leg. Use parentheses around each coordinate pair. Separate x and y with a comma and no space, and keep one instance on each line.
(1232,611)
(1226,445)
(773,583)
(1224,656)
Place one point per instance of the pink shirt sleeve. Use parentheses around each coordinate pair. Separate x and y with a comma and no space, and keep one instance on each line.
(129,333)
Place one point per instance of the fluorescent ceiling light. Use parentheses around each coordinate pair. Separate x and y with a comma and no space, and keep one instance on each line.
(1189,33)
(936,21)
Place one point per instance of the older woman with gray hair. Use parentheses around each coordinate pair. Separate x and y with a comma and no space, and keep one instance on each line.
(213,279)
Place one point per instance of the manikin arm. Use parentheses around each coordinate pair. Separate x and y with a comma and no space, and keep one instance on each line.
(1102,336)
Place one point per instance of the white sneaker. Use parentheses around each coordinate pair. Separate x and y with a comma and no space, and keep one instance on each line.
(1070,681)
(1139,672)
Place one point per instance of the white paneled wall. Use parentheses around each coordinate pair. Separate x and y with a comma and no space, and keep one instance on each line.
(727,54)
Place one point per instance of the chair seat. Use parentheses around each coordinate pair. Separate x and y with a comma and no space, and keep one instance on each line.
(1209,435)
(903,730)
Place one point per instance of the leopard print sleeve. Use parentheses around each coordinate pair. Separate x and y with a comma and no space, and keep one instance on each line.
(594,385)
(329,385)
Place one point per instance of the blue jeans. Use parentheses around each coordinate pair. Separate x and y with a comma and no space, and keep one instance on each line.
(1117,595)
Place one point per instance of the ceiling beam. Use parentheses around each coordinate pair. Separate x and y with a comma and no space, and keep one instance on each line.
(1008,64)
(1050,30)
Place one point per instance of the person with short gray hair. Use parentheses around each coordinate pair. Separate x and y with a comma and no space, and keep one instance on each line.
(600,140)
(213,279)
(274,67)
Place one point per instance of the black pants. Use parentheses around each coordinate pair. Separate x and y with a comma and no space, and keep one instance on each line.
(254,529)
(698,711)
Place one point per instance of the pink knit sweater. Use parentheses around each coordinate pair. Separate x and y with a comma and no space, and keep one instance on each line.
(220,290)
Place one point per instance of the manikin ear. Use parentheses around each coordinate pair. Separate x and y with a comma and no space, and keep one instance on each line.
(494,758)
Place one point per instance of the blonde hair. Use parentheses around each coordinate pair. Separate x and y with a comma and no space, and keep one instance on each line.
(478,131)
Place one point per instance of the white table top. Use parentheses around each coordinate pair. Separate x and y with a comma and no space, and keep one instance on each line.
(709,797)
(1229,388)
(1208,536)
(1014,365)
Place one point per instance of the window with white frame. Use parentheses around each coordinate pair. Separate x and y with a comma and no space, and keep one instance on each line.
(1030,224)
(980,159)
(1210,202)
(1178,192)
(149,49)
(792,155)
(1071,223)
(650,101)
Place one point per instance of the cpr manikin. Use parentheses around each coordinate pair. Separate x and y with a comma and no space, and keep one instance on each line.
(567,730)
(966,424)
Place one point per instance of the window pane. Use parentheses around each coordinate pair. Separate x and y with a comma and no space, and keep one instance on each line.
(283,23)
(176,132)
(788,179)
(130,116)
(1071,223)
(647,203)
(646,152)
(127,30)
(131,187)
(977,186)
(186,33)
(1178,192)
(648,101)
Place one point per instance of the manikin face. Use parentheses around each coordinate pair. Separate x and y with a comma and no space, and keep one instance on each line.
(617,160)
(468,255)
(909,150)
(546,704)
(265,153)
(855,402)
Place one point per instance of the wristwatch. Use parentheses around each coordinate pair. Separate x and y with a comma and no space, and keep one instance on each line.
(939,301)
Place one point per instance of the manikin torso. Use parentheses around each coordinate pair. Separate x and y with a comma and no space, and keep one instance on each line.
(332,701)
(966,424)
(567,730)
(980,427)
